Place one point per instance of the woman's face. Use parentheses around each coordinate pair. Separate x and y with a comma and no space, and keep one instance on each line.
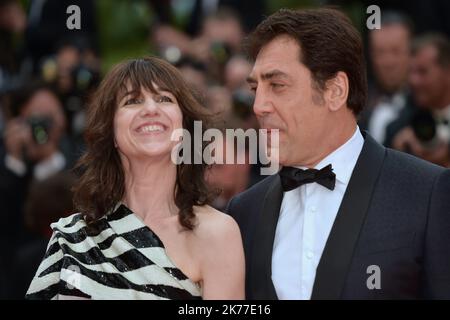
(144,122)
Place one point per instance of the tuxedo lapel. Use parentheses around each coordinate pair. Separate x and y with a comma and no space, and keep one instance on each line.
(333,267)
(261,260)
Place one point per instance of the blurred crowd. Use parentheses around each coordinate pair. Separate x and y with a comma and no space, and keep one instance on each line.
(47,73)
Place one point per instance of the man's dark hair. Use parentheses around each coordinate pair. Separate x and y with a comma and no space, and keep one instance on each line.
(438,41)
(328,41)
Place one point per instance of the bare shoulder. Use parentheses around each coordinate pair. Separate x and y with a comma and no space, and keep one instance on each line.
(214,225)
(220,255)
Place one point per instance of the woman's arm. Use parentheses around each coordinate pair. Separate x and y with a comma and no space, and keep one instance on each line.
(223,262)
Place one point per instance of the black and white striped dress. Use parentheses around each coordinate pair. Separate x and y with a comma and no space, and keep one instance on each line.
(121,259)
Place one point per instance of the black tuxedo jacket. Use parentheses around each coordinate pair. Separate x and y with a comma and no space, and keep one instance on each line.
(395,214)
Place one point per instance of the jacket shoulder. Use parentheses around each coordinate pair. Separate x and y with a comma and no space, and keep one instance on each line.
(406,163)
(255,192)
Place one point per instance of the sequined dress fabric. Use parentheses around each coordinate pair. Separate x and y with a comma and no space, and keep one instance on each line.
(118,257)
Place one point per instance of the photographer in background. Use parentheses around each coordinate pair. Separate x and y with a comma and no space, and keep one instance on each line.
(389,52)
(425,130)
(219,39)
(74,71)
(32,151)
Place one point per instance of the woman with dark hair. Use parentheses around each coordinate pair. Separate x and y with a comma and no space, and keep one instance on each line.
(144,230)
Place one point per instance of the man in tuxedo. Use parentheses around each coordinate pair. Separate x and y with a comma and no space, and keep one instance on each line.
(345,218)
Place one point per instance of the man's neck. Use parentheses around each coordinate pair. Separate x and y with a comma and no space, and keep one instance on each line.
(333,141)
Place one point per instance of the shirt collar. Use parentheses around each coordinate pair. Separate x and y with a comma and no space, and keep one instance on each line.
(50,166)
(444,113)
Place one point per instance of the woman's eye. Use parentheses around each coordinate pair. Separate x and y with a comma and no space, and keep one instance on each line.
(132,101)
(161,99)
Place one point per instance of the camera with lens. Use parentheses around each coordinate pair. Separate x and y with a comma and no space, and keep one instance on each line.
(84,78)
(40,128)
(220,52)
(424,127)
(83,81)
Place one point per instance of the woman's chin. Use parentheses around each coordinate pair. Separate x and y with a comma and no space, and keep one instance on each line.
(156,152)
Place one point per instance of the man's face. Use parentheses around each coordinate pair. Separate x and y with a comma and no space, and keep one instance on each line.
(429,81)
(285,100)
(45,104)
(389,50)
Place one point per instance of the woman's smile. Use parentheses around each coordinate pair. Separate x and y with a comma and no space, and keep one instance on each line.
(151,128)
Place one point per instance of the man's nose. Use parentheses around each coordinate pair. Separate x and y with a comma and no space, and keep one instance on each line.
(262,104)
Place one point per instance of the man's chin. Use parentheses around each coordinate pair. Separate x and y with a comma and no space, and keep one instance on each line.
(283,159)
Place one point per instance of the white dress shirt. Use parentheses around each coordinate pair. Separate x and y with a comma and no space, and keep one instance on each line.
(42,170)
(383,114)
(306,216)
(443,123)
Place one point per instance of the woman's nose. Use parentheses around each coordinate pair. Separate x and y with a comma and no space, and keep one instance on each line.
(149,107)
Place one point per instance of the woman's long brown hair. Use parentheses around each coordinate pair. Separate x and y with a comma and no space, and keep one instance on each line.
(101,183)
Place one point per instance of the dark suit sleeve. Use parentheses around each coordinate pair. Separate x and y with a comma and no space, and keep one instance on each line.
(229,208)
(235,209)
(437,241)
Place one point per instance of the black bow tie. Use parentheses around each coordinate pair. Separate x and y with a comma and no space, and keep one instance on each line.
(292,178)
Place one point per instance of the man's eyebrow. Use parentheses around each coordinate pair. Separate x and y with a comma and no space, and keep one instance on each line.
(269,75)
(274,74)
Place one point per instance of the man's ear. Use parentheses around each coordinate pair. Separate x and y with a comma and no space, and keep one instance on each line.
(337,91)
